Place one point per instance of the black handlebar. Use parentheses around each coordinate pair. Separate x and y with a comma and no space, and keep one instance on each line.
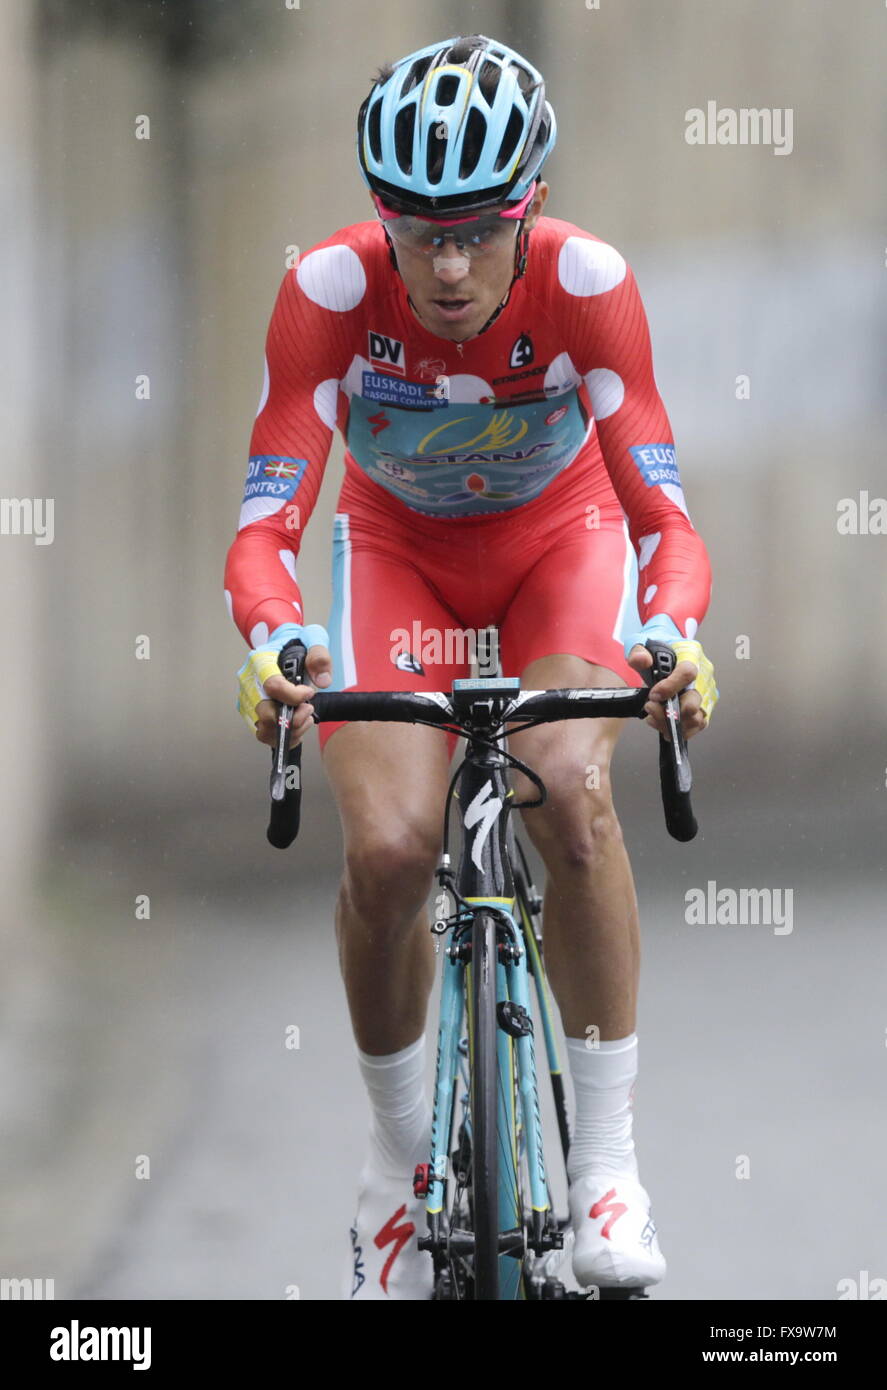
(544,706)
(286,762)
(675,775)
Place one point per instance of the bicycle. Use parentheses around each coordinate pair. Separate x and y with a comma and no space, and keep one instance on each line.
(491,1224)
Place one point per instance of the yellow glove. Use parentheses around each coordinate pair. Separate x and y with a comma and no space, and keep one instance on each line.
(263,662)
(687,650)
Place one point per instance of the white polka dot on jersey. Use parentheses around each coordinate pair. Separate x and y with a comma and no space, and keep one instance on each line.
(589,267)
(333,277)
(606,391)
(325,401)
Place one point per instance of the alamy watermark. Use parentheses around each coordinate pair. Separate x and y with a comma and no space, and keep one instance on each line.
(745,125)
(417,648)
(26,1290)
(76,1343)
(712,906)
(28,516)
(862,515)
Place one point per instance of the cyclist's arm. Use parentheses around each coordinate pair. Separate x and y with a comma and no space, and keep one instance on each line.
(289,448)
(614,356)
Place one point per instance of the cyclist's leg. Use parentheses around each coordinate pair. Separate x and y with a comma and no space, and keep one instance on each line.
(592,951)
(389,781)
(591,938)
(560,631)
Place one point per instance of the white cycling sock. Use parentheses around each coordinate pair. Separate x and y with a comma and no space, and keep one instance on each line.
(400,1128)
(603,1079)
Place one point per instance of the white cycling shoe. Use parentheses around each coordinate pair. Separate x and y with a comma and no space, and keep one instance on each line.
(616,1244)
(385,1260)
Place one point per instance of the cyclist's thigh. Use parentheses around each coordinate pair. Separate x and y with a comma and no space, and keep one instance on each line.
(578,600)
(389,781)
(573,756)
(564,628)
(389,630)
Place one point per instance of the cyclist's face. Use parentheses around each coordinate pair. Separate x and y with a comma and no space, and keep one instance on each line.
(455,292)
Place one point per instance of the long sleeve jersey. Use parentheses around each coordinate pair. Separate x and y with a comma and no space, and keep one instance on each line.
(554,401)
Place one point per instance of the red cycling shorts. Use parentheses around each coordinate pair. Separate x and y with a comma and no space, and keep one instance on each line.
(410,594)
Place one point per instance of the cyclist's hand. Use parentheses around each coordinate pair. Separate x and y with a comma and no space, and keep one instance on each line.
(263,687)
(319,669)
(693,670)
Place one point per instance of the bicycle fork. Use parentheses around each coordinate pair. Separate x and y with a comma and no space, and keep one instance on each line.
(516,1062)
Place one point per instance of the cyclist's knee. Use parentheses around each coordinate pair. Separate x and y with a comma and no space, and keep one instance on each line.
(576,831)
(390,875)
(572,775)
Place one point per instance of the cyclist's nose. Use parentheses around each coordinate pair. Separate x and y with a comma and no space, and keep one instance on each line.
(451,264)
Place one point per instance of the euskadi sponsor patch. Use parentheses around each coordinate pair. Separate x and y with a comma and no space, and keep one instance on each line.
(271,481)
(656,464)
(390,390)
(273,476)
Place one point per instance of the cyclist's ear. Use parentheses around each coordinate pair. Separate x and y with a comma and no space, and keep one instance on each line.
(534,211)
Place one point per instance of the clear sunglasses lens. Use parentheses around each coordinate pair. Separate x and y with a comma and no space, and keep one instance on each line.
(483,234)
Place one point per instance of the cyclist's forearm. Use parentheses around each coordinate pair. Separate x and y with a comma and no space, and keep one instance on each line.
(675,578)
(260,585)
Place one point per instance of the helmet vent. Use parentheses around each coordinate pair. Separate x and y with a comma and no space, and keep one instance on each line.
(488,80)
(374,130)
(513,132)
(416,74)
(435,156)
(404,128)
(472,145)
(447,88)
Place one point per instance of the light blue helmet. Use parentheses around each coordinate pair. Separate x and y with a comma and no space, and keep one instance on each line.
(459,125)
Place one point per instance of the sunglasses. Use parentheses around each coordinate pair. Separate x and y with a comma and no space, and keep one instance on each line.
(476,236)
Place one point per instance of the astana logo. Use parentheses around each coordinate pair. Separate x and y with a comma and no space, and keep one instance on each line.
(502,431)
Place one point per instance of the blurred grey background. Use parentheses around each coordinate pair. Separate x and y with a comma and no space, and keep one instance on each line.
(123,1036)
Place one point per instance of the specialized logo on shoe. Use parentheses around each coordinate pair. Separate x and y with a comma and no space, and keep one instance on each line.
(405,661)
(359,1277)
(648,1234)
(608,1203)
(392,1232)
(522,352)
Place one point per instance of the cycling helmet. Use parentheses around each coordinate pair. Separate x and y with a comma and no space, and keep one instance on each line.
(458,126)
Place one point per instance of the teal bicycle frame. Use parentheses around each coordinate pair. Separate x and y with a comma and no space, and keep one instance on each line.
(485,882)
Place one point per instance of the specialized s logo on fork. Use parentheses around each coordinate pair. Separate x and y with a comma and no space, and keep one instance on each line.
(484,810)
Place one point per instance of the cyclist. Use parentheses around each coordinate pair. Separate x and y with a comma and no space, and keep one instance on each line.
(509,462)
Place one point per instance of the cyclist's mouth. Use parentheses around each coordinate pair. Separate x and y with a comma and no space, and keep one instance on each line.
(453,309)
